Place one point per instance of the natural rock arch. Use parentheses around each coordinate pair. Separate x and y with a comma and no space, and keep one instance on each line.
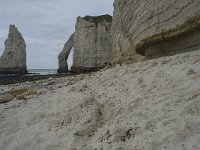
(92,45)
(63,56)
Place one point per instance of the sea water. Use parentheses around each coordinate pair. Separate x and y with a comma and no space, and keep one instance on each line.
(42,71)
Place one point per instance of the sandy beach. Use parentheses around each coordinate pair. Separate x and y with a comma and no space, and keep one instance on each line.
(149,105)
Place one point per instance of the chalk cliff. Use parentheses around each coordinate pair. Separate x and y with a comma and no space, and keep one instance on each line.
(92,43)
(13,59)
(63,56)
(155,27)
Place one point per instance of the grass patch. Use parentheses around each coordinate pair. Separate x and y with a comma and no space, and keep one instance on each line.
(17,92)
(21,93)
(98,19)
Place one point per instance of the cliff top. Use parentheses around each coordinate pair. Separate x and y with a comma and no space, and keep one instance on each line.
(13,32)
(98,19)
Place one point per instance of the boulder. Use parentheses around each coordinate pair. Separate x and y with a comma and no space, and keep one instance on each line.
(13,59)
(6,98)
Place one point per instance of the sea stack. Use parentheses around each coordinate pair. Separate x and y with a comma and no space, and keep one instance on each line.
(13,59)
(155,27)
(92,43)
(63,56)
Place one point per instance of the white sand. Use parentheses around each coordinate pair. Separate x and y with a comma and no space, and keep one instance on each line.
(150,105)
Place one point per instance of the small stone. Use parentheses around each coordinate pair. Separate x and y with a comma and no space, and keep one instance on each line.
(191,72)
(41,91)
(51,83)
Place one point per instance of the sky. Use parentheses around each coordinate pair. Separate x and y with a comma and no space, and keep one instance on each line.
(46,25)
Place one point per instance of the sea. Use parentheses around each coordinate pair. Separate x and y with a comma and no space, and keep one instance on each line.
(42,71)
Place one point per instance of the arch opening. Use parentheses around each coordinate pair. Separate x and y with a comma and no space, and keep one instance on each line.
(69,61)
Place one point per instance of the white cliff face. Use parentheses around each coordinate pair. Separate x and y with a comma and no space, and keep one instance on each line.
(63,56)
(13,59)
(120,42)
(92,43)
(155,27)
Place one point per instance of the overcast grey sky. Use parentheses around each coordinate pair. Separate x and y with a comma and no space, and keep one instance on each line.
(46,25)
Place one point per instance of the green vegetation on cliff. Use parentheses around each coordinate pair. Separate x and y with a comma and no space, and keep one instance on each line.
(98,19)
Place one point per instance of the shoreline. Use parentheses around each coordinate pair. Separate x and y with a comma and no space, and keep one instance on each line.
(6,79)
(16,78)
